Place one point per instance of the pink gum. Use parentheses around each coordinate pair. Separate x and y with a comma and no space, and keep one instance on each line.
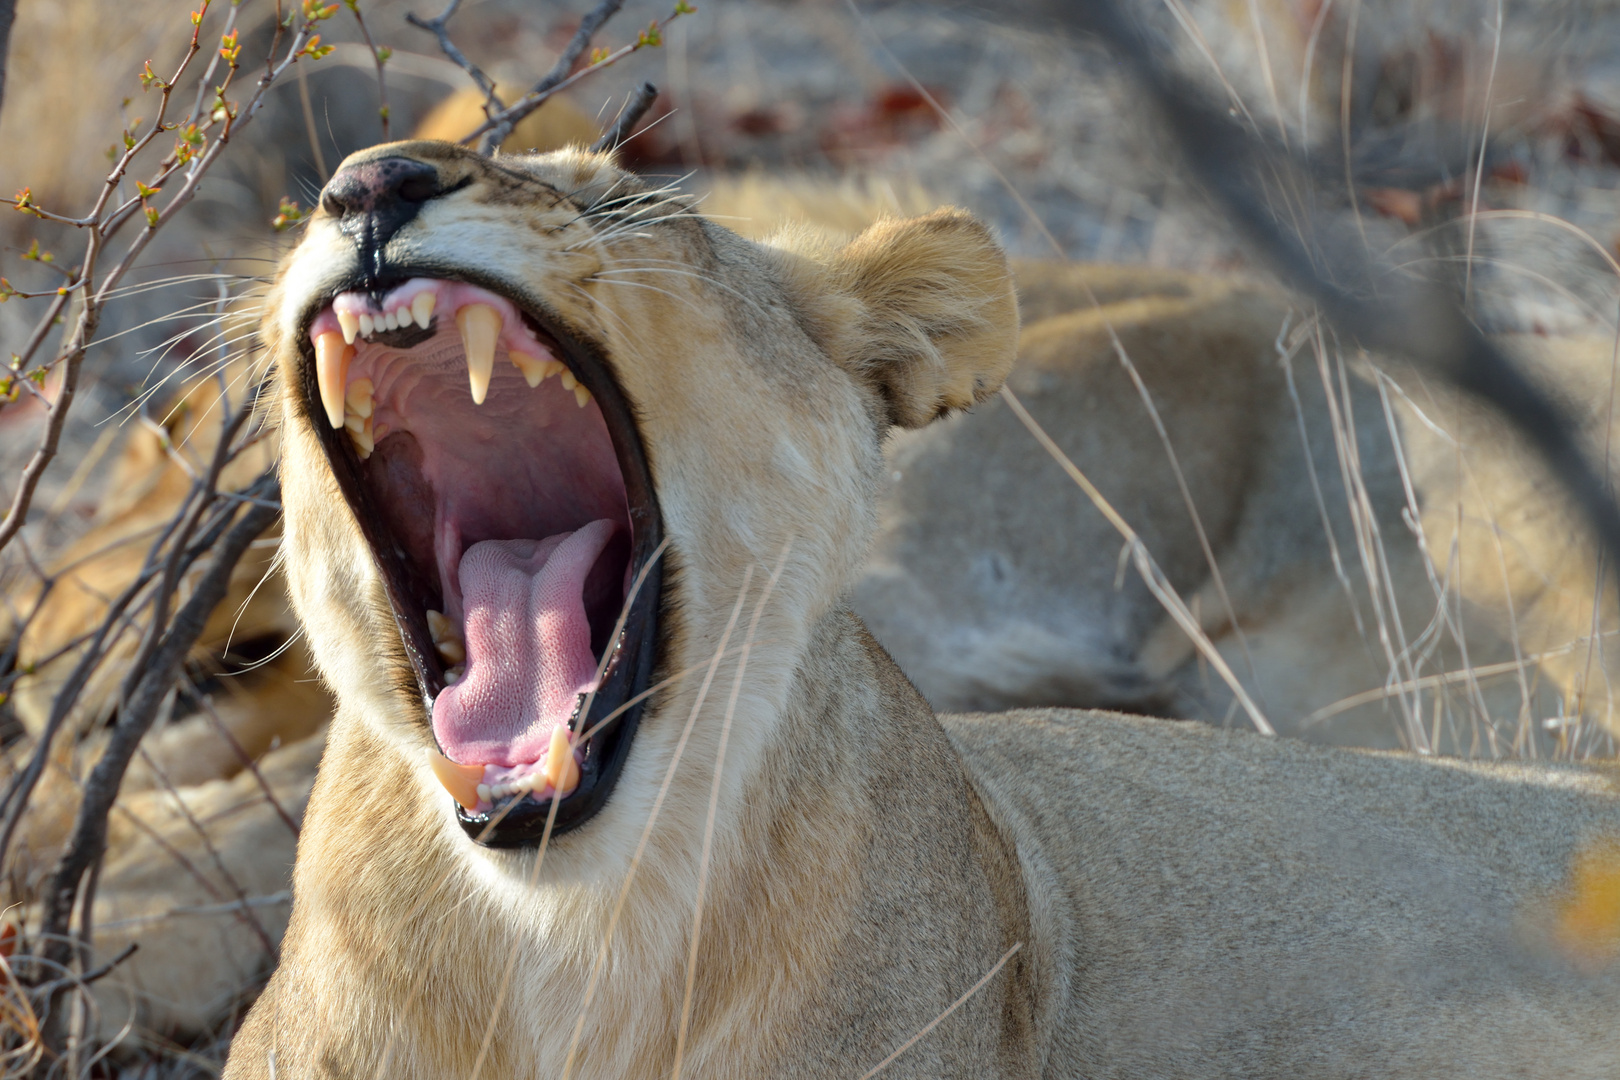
(452,296)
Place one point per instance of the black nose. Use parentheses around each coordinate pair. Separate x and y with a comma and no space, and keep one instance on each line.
(375,199)
(380,186)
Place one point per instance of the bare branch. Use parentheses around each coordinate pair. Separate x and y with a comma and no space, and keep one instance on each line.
(8,14)
(510,117)
(378,57)
(89,839)
(438,27)
(628,118)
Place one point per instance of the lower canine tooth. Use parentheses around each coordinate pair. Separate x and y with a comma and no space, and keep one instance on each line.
(461,781)
(480,326)
(422,308)
(560,768)
(332,356)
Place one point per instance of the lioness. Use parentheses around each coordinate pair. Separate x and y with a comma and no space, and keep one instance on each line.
(576,482)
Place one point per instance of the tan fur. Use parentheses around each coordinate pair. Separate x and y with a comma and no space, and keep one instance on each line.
(1184,902)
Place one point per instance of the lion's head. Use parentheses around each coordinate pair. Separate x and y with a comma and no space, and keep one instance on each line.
(526,398)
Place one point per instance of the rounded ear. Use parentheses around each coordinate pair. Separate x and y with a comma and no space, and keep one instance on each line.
(921,309)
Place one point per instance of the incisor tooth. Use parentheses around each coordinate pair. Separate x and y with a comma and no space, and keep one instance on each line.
(367,325)
(332,355)
(350,326)
(358,397)
(422,308)
(403,316)
(560,768)
(582,395)
(390,321)
(461,781)
(534,369)
(480,326)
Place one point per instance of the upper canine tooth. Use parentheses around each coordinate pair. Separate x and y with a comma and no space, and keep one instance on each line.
(332,356)
(422,308)
(582,395)
(350,325)
(480,326)
(367,325)
(358,397)
(534,370)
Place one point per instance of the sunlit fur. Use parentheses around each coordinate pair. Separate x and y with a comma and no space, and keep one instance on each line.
(1182,903)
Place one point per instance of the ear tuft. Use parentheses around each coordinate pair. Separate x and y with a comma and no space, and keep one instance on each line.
(922,309)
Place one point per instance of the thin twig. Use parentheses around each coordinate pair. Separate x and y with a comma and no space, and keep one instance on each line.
(214,856)
(229,119)
(89,839)
(8,14)
(439,28)
(247,761)
(509,117)
(629,116)
(379,57)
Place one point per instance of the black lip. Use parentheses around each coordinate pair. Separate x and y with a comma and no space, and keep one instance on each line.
(634,654)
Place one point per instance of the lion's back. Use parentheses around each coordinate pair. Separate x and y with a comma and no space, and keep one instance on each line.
(1224,893)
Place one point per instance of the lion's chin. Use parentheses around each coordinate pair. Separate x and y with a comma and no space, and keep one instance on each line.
(497,474)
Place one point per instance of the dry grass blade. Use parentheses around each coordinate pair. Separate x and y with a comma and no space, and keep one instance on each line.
(714,807)
(936,1021)
(1152,576)
(646,832)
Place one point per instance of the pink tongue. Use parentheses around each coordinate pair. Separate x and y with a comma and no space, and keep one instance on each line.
(528,646)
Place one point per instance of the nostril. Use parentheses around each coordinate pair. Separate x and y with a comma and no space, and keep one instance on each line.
(376,185)
(419,189)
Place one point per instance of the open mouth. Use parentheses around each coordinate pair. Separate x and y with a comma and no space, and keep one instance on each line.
(499,478)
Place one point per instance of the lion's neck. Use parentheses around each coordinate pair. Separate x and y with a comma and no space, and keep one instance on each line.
(857,790)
